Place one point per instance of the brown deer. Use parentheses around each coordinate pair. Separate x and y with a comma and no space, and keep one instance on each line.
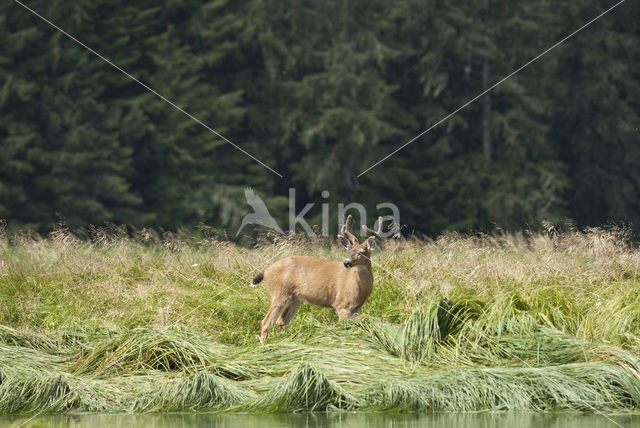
(344,286)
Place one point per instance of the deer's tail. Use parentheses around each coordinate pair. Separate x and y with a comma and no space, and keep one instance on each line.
(257,280)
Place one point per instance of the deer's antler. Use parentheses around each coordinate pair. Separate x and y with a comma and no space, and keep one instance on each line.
(371,232)
(345,230)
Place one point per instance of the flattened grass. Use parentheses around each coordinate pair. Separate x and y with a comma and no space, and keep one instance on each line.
(582,387)
(341,368)
(196,392)
(462,323)
(305,389)
(144,349)
(29,391)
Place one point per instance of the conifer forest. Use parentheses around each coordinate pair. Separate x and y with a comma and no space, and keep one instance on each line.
(319,92)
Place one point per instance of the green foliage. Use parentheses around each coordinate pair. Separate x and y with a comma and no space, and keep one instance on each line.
(320,92)
(596,123)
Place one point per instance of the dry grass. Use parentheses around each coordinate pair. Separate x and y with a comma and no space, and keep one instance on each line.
(150,323)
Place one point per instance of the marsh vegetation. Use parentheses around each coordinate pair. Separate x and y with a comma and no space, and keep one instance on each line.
(543,321)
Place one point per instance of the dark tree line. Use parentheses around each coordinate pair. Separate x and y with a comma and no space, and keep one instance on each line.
(319,91)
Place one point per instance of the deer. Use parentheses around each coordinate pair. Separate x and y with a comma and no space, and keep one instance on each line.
(342,285)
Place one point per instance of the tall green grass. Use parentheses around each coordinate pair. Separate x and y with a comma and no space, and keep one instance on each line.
(513,322)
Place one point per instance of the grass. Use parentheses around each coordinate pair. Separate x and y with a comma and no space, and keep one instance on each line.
(146,349)
(305,389)
(462,323)
(202,390)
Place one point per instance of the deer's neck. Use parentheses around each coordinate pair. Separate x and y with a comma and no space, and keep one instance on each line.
(364,272)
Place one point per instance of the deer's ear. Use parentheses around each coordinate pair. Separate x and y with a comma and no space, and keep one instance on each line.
(345,242)
(371,243)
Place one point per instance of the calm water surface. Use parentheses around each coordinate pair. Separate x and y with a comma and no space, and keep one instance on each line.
(344,420)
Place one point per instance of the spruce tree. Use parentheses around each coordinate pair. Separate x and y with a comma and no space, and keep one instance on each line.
(63,157)
(596,126)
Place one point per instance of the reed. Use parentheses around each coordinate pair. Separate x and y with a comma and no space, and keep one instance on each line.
(144,349)
(199,391)
(305,389)
(462,323)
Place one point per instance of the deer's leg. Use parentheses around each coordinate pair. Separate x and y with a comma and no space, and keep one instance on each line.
(288,314)
(275,311)
(349,313)
(355,312)
(343,314)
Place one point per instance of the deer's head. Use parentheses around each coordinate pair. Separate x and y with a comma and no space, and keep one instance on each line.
(359,254)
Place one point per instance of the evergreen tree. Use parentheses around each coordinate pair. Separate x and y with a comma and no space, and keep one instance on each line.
(598,113)
(63,157)
(506,171)
(183,170)
(328,103)
(320,92)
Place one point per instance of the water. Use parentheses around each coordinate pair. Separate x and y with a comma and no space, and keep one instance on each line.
(343,420)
